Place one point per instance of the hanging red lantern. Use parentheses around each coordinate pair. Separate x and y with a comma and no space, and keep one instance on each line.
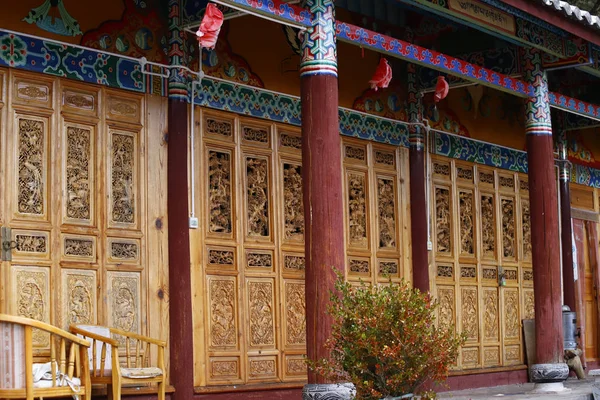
(210,27)
(383,75)
(441,89)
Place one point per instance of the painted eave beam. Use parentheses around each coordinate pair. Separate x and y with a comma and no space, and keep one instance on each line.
(278,10)
(574,106)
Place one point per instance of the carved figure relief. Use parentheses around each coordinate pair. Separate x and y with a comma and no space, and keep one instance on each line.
(294,317)
(441,169)
(295,366)
(446,308)
(510,274)
(217,127)
(223,369)
(295,263)
(526,228)
(464,173)
(260,299)
(123,183)
(257,199)
(359,266)
(80,298)
(219,192)
(357,209)
(488,226)
(490,273)
(291,141)
(445,271)
(486,177)
(491,357)
(259,135)
(468,272)
(524,185)
(223,330)
(385,158)
(507,182)
(386,196)
(125,302)
(259,260)
(442,219)
(469,313)
(388,267)
(124,250)
(31,167)
(529,304)
(528,275)
(78,174)
(356,153)
(32,292)
(262,368)
(511,310)
(466,222)
(490,316)
(79,247)
(31,243)
(470,356)
(512,353)
(508,227)
(293,205)
(221,257)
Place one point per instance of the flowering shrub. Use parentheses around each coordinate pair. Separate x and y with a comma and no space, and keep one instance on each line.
(385,340)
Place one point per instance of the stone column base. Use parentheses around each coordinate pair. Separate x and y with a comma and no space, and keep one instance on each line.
(328,391)
(548,373)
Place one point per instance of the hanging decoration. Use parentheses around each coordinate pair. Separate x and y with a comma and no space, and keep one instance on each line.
(383,75)
(441,89)
(210,27)
(52,16)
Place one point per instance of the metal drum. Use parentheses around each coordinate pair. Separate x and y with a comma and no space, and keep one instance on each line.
(569,322)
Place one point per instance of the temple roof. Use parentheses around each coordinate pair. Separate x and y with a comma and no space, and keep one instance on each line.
(583,10)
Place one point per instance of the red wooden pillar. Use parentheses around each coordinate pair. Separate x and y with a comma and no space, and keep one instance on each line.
(566,233)
(550,365)
(321,174)
(180,289)
(418,212)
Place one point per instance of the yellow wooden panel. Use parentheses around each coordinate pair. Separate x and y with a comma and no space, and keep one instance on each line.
(491,317)
(124,300)
(79,248)
(223,315)
(224,370)
(469,313)
(29,90)
(29,245)
(261,313)
(261,368)
(79,297)
(512,321)
(123,179)
(582,197)
(294,367)
(294,306)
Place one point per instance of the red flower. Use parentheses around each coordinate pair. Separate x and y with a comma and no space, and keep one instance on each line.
(210,27)
(383,75)
(441,89)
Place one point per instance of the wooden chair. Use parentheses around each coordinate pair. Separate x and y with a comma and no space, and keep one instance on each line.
(104,359)
(62,376)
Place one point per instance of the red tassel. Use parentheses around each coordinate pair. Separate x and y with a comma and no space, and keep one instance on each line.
(383,75)
(441,89)
(210,27)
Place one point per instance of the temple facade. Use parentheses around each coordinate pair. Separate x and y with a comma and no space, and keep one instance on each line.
(201,196)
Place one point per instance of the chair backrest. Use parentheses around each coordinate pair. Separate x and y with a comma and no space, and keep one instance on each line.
(12,356)
(102,331)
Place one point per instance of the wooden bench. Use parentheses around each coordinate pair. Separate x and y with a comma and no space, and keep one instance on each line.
(136,369)
(63,376)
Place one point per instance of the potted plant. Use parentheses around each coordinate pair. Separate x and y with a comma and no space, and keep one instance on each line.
(385,341)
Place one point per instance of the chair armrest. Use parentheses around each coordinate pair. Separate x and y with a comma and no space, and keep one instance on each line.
(45,327)
(76,330)
(160,343)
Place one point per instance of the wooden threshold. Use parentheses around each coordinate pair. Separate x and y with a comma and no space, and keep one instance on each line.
(248,388)
(488,370)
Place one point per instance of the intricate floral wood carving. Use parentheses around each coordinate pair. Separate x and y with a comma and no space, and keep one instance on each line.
(490,273)
(217,127)
(511,314)
(78,174)
(79,100)
(468,271)
(445,271)
(510,274)
(470,316)
(357,209)
(359,266)
(125,298)
(446,308)
(80,298)
(31,167)
(442,219)
(125,109)
(262,368)
(260,299)
(219,192)
(123,181)
(31,243)
(32,292)
(295,333)
(221,257)
(79,247)
(529,304)
(223,329)
(385,158)
(356,153)
(465,173)
(224,369)
(466,222)
(32,92)
(470,356)
(293,205)
(486,177)
(295,366)
(441,169)
(488,226)
(512,354)
(259,260)
(124,250)
(491,356)
(491,315)
(258,135)
(526,222)
(507,182)
(291,141)
(386,196)
(388,267)
(524,185)
(257,199)
(508,227)
(294,263)
(527,275)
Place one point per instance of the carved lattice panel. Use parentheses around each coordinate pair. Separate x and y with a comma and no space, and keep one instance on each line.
(220,181)
(488,225)
(293,263)
(290,142)
(31,173)
(262,367)
(466,208)
(357,206)
(123,108)
(30,297)
(218,127)
(260,261)
(79,248)
(491,356)
(224,369)
(512,354)
(30,245)
(507,209)
(36,93)
(387,213)
(78,173)
(470,357)
(512,320)
(526,227)
(123,179)
(469,313)
(79,101)
(295,366)
(293,204)
(221,258)
(528,304)
(123,251)
(124,304)
(294,314)
(443,220)
(261,313)
(491,315)
(222,313)
(256,135)
(78,297)
(258,194)
(447,308)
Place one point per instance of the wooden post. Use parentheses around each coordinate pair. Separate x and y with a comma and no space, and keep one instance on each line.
(550,365)
(566,233)
(418,215)
(180,288)
(321,175)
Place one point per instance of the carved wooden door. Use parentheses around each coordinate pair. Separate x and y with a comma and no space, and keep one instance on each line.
(72,203)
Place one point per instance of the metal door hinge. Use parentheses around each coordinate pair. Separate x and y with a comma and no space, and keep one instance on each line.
(7,244)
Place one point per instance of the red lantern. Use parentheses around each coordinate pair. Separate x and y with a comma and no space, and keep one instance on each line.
(441,89)
(383,75)
(210,27)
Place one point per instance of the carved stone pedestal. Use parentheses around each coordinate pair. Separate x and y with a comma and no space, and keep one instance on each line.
(329,391)
(549,373)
